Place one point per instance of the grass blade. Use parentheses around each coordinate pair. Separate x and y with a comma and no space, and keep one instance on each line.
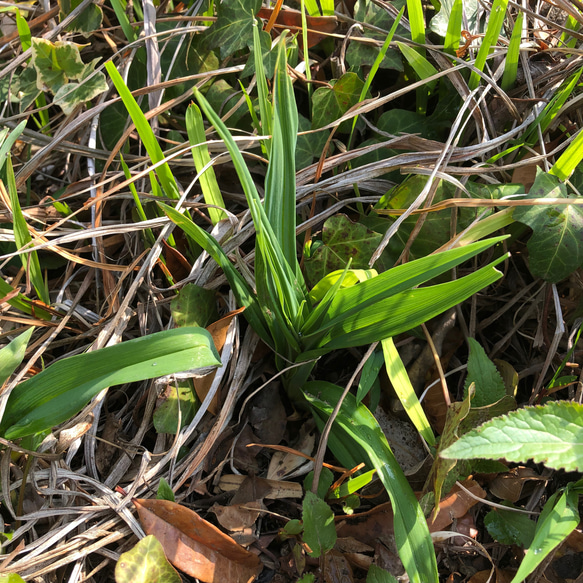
(454,28)
(146,134)
(569,159)
(405,391)
(511,65)
(63,389)
(200,155)
(12,355)
(495,23)
(22,237)
(359,425)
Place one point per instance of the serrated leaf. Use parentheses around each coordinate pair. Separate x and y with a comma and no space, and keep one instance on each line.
(551,434)
(342,240)
(233,29)
(485,376)
(510,528)
(330,103)
(556,246)
(145,563)
(319,527)
(193,306)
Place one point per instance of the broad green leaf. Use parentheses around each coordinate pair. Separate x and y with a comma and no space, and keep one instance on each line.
(326,480)
(342,239)
(194,306)
(404,389)
(64,388)
(91,84)
(164,492)
(145,563)
(551,434)
(55,63)
(510,528)
(233,29)
(87,22)
(12,355)
(181,398)
(200,155)
(377,574)
(352,277)
(482,372)
(555,248)
(557,521)
(309,146)
(330,103)
(319,528)
(357,425)
(361,54)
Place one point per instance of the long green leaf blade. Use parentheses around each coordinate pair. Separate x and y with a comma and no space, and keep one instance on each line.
(63,389)
(146,134)
(12,354)
(357,422)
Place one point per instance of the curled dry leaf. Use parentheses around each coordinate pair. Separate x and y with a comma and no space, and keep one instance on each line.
(194,545)
(218,330)
(455,505)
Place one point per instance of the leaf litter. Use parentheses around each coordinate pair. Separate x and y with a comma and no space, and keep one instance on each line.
(82,527)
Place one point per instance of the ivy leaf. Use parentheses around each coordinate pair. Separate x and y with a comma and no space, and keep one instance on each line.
(87,22)
(145,563)
(233,29)
(55,63)
(330,103)
(319,528)
(91,84)
(484,374)
(556,247)
(551,434)
(342,239)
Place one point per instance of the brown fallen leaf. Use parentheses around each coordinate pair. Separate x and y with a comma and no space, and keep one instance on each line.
(318,26)
(237,517)
(455,505)
(336,568)
(509,486)
(194,545)
(218,330)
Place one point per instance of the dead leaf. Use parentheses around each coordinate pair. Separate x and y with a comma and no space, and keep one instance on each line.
(509,486)
(283,464)
(502,576)
(176,264)
(107,449)
(455,505)
(218,330)
(277,489)
(194,545)
(336,568)
(318,26)
(237,517)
